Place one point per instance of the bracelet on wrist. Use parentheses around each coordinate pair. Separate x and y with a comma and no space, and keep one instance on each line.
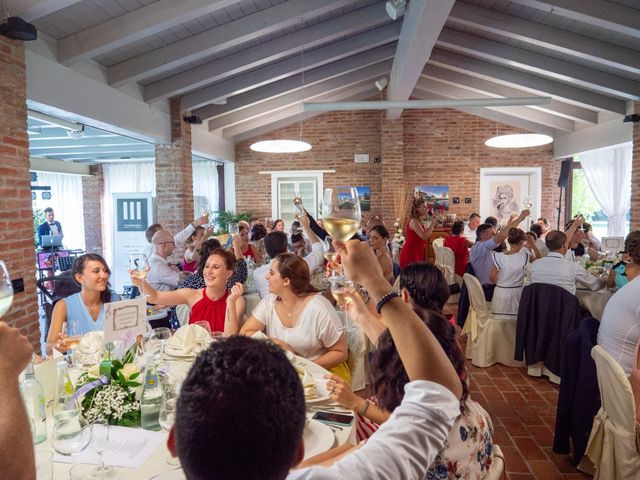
(385,299)
(364,409)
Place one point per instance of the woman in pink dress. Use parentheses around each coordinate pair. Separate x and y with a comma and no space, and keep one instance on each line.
(416,234)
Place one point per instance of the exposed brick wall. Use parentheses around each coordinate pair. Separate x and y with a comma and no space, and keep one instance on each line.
(446,147)
(635,174)
(392,174)
(439,147)
(16,217)
(92,191)
(335,137)
(174,175)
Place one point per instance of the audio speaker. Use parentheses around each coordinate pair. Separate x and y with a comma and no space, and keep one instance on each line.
(565,172)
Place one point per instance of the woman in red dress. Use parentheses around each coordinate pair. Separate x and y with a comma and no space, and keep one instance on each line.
(416,235)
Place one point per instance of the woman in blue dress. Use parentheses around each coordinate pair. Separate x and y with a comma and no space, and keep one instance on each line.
(83,311)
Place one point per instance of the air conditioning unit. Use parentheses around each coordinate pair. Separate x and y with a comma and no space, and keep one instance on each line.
(361,158)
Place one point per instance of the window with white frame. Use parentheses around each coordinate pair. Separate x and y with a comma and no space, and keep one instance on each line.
(285,186)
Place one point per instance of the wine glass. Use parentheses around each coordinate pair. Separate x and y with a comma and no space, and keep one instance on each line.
(528,202)
(298,209)
(139,267)
(341,212)
(341,286)
(71,435)
(6,289)
(100,442)
(167,418)
(72,338)
(163,335)
(329,251)
(206,326)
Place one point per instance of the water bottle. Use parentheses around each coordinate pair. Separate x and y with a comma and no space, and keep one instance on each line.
(64,405)
(33,396)
(151,398)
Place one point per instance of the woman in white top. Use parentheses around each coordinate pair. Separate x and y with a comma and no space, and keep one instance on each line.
(508,273)
(297,318)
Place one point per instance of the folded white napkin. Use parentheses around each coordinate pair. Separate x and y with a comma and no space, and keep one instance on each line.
(260,336)
(92,341)
(188,341)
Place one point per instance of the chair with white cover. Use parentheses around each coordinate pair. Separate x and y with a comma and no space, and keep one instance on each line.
(448,259)
(490,339)
(613,443)
(438,242)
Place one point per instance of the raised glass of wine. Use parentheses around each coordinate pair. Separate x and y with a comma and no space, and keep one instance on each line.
(341,212)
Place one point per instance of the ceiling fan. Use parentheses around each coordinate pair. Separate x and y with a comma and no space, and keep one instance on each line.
(424,104)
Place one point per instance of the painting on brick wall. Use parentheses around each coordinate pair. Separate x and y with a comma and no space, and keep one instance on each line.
(435,196)
(364,196)
(506,191)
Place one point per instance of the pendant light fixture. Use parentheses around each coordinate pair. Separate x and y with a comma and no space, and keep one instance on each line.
(519,140)
(286,145)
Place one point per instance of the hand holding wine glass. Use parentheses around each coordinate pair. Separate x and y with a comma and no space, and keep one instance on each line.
(138,269)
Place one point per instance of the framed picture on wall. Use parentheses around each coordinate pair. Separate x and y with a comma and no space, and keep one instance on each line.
(507,191)
(364,195)
(435,196)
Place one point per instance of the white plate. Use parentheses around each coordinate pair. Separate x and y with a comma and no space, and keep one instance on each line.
(321,390)
(318,438)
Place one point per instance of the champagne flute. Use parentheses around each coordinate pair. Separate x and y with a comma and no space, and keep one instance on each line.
(139,267)
(71,435)
(163,335)
(341,212)
(100,442)
(528,202)
(6,289)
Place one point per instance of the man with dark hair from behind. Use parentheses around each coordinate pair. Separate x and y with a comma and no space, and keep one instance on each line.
(241,409)
(557,270)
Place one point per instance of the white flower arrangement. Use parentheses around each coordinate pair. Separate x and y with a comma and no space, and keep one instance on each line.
(398,237)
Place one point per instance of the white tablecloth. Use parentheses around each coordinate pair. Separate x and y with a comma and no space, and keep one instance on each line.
(157,463)
(594,301)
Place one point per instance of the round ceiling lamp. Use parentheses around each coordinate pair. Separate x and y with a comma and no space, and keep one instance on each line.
(519,140)
(280,146)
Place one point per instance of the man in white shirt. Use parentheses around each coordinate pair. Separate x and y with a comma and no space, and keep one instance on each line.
(162,276)
(256,432)
(556,270)
(179,238)
(276,243)
(470,227)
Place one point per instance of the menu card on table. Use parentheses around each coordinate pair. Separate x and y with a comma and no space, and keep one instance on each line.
(125,319)
(128,447)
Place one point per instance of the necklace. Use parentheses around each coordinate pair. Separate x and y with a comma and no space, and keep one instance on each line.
(91,308)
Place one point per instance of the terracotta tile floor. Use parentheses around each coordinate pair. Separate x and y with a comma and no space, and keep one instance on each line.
(523,410)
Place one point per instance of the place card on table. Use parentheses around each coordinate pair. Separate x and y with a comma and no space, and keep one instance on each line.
(125,319)
(128,447)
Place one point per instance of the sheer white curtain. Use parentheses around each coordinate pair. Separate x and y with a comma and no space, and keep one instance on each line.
(608,173)
(66,201)
(123,178)
(205,186)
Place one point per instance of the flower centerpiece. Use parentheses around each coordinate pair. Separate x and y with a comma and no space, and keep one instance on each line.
(110,391)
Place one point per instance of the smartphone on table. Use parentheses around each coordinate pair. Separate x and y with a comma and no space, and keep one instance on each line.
(334,418)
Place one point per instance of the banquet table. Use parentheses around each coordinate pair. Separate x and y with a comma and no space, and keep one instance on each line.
(318,437)
(594,301)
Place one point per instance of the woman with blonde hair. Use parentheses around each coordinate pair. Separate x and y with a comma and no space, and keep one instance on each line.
(414,248)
